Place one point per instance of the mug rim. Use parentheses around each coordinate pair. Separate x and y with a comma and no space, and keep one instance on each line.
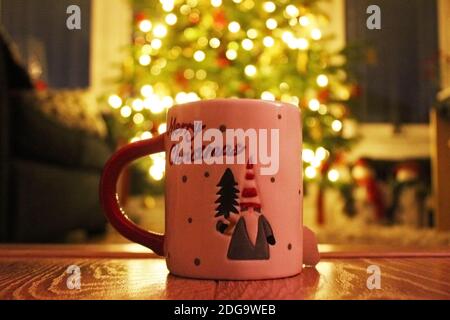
(248,101)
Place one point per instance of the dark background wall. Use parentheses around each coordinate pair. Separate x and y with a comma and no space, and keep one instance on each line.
(400,79)
(39,27)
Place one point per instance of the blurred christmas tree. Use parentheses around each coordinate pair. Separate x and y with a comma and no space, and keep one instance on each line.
(185,50)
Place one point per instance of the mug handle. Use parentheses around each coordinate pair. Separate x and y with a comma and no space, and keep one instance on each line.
(108,193)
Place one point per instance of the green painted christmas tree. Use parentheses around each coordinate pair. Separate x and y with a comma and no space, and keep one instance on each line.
(185,50)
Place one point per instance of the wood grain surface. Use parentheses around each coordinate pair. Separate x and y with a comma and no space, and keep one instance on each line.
(130,278)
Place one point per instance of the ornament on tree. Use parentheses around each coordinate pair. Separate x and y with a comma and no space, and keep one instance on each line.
(222,61)
(181,80)
(194,18)
(220,20)
(323,95)
(139,16)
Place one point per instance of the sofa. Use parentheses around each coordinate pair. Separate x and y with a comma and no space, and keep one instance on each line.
(50,163)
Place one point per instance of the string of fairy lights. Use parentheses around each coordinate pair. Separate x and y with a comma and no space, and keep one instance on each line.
(252,49)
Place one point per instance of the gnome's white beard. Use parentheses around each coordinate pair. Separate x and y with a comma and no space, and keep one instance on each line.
(251,222)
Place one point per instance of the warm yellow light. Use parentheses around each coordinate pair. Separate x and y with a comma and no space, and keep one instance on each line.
(266,95)
(304,21)
(344,93)
(268,41)
(138,118)
(138,105)
(237,1)
(231,54)
(287,37)
(162,128)
(234,26)
(314,105)
(302,43)
(167,102)
(252,33)
(292,11)
(316,162)
(323,109)
(171,19)
(201,74)
(156,107)
(216,3)
(185,9)
(336,125)
(295,100)
(307,155)
(146,49)
(269,6)
(199,56)
(115,101)
(321,153)
(145,60)
(250,70)
(183,97)
(189,74)
(167,5)
(247,44)
(156,44)
(202,41)
(271,24)
(158,158)
(192,3)
(293,22)
(156,173)
(160,31)
(146,135)
(233,45)
(322,80)
(310,172)
(316,34)
(125,111)
(146,90)
(145,25)
(214,43)
(333,175)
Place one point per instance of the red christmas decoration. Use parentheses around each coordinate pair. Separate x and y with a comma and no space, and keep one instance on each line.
(40,85)
(194,18)
(181,80)
(244,87)
(222,61)
(139,16)
(365,178)
(323,95)
(356,91)
(220,20)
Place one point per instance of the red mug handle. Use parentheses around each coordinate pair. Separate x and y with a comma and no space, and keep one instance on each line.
(108,193)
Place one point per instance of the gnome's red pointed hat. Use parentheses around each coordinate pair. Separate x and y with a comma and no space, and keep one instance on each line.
(249,194)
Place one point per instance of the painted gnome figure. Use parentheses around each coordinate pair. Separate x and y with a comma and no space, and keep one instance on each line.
(251,233)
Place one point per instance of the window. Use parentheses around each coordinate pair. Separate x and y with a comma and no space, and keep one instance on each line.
(39,29)
(400,76)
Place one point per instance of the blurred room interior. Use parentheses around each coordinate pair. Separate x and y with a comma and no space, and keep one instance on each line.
(62,114)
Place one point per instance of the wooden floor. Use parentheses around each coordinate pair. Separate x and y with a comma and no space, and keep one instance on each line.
(130,272)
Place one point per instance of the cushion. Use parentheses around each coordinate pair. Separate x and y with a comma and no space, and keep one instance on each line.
(74,109)
(64,128)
